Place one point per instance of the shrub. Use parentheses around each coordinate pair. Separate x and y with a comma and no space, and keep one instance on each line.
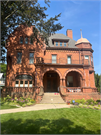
(29,103)
(90,101)
(80,105)
(96,107)
(85,106)
(24,105)
(32,101)
(78,101)
(7,99)
(91,107)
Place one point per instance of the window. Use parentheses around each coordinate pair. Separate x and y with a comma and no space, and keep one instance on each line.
(60,43)
(21,83)
(24,81)
(53,58)
(64,44)
(86,57)
(91,61)
(56,43)
(26,40)
(31,58)
(17,84)
(30,83)
(31,40)
(19,56)
(69,60)
(21,40)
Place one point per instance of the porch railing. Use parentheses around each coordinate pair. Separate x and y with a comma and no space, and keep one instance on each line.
(73,89)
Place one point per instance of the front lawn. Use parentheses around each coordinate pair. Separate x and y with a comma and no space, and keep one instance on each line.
(52,121)
(7,105)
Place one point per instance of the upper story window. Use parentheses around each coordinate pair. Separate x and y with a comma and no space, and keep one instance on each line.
(60,43)
(56,43)
(31,58)
(19,56)
(91,61)
(53,58)
(31,40)
(21,40)
(64,44)
(86,57)
(26,40)
(69,59)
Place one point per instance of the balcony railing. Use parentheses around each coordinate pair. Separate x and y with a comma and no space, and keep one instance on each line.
(64,61)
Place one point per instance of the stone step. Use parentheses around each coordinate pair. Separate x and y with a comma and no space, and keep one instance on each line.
(52,98)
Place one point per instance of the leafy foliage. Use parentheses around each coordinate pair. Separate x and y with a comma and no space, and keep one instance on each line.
(3,68)
(14,13)
(98,81)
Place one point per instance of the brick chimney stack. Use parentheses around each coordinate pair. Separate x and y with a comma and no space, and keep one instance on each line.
(69,33)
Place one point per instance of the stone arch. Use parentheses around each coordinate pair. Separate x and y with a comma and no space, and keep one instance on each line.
(52,69)
(76,70)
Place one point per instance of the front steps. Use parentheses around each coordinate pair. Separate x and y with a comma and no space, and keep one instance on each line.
(49,98)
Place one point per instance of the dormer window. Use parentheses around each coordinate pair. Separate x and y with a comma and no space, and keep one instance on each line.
(56,44)
(21,40)
(65,44)
(60,43)
(26,40)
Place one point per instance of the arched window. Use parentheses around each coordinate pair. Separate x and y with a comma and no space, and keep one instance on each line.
(24,81)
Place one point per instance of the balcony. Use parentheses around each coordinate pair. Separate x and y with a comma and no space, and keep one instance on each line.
(60,61)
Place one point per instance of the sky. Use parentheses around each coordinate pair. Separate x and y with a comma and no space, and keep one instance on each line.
(80,14)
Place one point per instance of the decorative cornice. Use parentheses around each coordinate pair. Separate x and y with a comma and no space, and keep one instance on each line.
(66,48)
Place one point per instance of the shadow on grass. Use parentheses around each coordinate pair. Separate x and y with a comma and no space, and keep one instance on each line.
(43,126)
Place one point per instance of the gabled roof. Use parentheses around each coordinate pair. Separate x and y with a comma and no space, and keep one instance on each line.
(71,42)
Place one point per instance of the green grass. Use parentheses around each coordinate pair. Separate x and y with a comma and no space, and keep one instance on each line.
(52,121)
(7,106)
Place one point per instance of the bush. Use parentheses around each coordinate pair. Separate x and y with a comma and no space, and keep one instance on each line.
(24,105)
(29,103)
(80,105)
(85,106)
(32,101)
(96,107)
(90,101)
(7,99)
(91,107)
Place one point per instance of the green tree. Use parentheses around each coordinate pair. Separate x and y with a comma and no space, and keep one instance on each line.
(14,13)
(3,68)
(98,81)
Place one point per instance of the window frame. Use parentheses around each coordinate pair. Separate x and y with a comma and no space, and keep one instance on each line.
(19,80)
(60,43)
(31,57)
(17,57)
(27,40)
(70,59)
(65,44)
(56,43)
(22,40)
(56,58)
(30,40)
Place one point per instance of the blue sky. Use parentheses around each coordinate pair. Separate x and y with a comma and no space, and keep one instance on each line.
(78,15)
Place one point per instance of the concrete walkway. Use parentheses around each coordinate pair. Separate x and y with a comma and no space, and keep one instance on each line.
(35,107)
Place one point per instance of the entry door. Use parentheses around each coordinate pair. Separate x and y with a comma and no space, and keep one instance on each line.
(51,85)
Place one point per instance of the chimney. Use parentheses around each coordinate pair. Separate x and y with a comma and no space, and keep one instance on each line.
(69,33)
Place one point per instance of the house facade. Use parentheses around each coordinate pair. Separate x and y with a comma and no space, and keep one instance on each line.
(64,66)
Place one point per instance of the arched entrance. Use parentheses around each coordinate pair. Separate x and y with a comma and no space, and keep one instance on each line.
(73,79)
(51,81)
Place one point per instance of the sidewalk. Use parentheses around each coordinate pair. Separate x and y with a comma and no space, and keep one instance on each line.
(35,107)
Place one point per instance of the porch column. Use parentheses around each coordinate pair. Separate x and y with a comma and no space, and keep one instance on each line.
(63,82)
(60,82)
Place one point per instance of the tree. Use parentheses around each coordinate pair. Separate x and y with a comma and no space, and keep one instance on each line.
(98,81)
(14,13)
(3,68)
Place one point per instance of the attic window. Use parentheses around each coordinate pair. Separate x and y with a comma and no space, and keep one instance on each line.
(56,43)
(60,43)
(64,44)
